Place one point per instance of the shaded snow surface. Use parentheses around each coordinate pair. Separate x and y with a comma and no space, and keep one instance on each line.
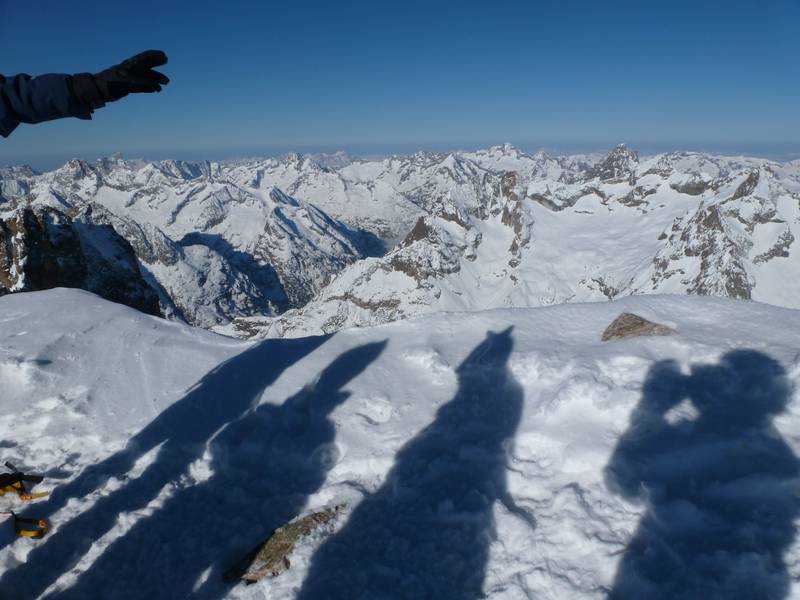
(504,454)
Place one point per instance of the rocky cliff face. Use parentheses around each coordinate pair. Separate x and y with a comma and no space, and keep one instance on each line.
(42,248)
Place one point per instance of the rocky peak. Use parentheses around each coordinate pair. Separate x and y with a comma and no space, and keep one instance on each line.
(183,170)
(76,169)
(506,149)
(618,164)
(747,186)
(18,172)
(110,163)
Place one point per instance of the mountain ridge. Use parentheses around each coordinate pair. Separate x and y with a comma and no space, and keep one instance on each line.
(311,243)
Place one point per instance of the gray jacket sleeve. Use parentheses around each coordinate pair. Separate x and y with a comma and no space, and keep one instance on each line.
(26,99)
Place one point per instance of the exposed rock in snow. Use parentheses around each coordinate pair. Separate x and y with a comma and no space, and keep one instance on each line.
(214,250)
(271,558)
(677,223)
(630,325)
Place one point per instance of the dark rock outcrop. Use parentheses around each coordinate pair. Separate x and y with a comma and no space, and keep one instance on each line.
(618,164)
(43,248)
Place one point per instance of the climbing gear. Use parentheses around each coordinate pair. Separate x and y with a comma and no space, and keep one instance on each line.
(22,525)
(15,482)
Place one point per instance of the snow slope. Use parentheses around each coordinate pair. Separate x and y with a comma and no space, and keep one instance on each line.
(508,453)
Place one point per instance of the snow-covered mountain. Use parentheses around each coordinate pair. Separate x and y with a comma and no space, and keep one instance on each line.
(212,249)
(543,231)
(310,244)
(507,454)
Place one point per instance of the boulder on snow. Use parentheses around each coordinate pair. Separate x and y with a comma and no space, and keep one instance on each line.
(271,557)
(630,325)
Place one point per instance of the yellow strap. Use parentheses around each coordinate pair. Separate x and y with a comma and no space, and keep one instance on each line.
(20,491)
(42,527)
(33,495)
(28,527)
(14,487)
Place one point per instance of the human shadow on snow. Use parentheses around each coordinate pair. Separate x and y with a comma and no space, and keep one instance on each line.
(178,435)
(265,466)
(720,489)
(427,531)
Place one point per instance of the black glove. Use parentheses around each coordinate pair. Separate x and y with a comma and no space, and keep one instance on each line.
(132,76)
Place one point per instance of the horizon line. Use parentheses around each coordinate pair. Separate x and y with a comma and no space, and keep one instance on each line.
(776,151)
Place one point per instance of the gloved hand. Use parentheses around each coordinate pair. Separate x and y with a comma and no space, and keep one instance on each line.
(134,75)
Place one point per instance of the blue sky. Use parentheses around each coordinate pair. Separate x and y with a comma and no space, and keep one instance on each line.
(375,77)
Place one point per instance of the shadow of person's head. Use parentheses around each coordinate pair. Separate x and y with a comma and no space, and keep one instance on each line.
(491,354)
(349,365)
(743,390)
(663,388)
(320,398)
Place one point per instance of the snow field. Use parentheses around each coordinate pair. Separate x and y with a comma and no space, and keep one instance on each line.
(439,435)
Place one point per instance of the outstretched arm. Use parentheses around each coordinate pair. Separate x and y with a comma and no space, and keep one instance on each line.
(26,99)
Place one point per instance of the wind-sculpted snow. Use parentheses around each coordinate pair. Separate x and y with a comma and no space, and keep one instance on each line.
(505,454)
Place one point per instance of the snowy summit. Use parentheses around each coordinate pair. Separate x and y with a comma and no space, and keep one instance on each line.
(503,454)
